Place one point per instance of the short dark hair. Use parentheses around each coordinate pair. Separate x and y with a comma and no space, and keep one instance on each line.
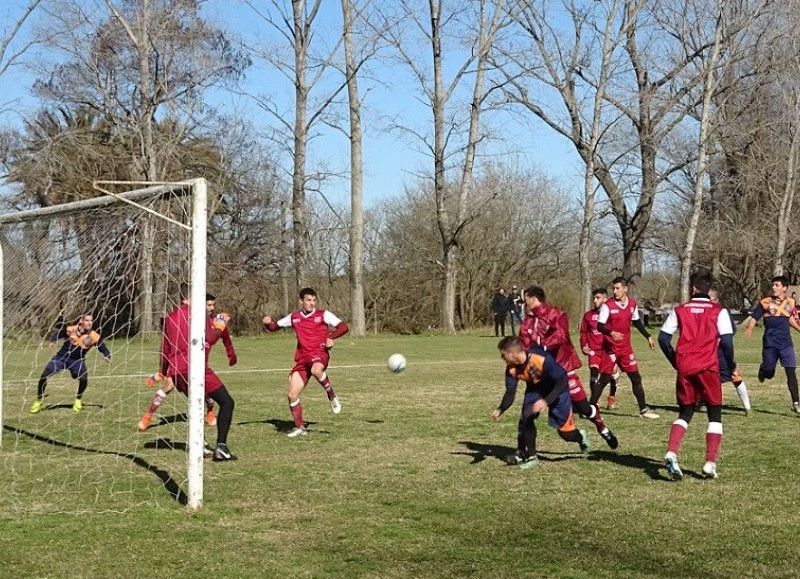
(307,291)
(211,297)
(702,282)
(784,281)
(600,290)
(535,292)
(509,343)
(183,290)
(620,279)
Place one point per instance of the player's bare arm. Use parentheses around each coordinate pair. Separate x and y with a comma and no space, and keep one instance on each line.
(748,329)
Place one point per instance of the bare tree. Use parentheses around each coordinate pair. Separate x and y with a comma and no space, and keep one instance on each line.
(453,211)
(9,54)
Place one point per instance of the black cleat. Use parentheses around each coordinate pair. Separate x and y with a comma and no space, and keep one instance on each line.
(610,439)
(222,453)
(761,376)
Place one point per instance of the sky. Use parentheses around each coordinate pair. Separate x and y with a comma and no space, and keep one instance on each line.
(392,160)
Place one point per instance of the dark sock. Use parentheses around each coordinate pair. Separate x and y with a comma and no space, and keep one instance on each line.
(638,389)
(597,388)
(225,416)
(571,436)
(83,383)
(791,382)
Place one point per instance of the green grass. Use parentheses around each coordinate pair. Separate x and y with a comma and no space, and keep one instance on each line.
(408,481)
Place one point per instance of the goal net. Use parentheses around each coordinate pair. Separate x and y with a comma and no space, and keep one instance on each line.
(122,258)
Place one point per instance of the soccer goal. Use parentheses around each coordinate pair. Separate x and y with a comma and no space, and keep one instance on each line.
(121,257)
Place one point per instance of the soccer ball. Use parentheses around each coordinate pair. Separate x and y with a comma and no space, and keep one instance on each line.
(396,363)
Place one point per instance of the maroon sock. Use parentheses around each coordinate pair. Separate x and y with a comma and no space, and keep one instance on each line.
(598,420)
(676,433)
(297,413)
(713,441)
(325,382)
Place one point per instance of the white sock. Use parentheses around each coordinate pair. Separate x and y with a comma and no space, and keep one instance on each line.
(741,390)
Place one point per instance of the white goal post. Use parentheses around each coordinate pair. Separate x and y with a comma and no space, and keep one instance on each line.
(197,189)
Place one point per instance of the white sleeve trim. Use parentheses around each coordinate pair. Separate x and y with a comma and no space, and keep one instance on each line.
(724,323)
(285,322)
(602,315)
(670,325)
(331,319)
(635,315)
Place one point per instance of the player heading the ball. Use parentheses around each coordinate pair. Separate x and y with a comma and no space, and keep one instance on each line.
(315,330)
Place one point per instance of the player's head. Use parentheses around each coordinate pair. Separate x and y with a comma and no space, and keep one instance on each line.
(308,299)
(86,321)
(211,304)
(511,350)
(780,284)
(713,294)
(700,283)
(534,296)
(183,290)
(619,285)
(599,296)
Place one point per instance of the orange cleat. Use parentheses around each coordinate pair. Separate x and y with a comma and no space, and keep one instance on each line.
(144,423)
(611,402)
(211,418)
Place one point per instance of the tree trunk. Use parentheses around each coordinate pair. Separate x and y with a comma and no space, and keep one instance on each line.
(300,228)
(702,155)
(357,316)
(285,255)
(787,201)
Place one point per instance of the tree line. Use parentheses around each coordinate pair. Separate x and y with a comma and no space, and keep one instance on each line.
(684,115)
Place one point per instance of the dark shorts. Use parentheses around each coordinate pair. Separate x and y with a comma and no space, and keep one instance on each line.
(701,387)
(559,414)
(770,357)
(303,363)
(77,368)
(212,382)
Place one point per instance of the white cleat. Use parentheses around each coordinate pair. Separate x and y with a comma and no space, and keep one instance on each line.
(297,432)
(648,413)
(710,470)
(336,406)
(674,470)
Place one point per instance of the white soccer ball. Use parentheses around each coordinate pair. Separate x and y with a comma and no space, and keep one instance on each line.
(396,363)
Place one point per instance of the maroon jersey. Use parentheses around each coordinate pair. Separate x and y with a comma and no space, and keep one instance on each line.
(213,335)
(175,343)
(312,330)
(548,327)
(618,316)
(700,323)
(590,336)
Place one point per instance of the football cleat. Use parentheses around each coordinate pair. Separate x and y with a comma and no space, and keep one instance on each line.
(208,450)
(610,439)
(222,453)
(515,459)
(211,418)
(295,432)
(584,443)
(674,470)
(36,407)
(710,470)
(77,406)
(611,402)
(646,412)
(336,406)
(529,463)
(144,423)
(761,376)
(796,407)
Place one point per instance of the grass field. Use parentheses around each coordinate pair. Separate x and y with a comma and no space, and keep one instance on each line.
(409,481)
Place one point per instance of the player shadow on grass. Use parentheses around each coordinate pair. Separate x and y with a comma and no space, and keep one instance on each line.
(170,485)
(653,468)
(166,443)
(480,452)
(65,406)
(726,408)
(283,426)
(180,417)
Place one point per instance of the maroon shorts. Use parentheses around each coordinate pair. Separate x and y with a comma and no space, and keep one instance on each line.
(602,361)
(211,379)
(701,387)
(303,363)
(624,358)
(576,391)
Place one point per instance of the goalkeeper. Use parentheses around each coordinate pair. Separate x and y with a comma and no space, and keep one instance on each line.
(175,366)
(79,339)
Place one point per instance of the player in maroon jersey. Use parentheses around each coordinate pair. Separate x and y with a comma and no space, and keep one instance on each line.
(591,341)
(547,326)
(315,330)
(175,366)
(614,321)
(704,327)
